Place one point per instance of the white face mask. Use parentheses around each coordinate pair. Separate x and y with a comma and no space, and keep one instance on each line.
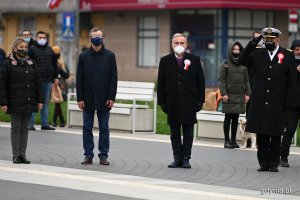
(42,42)
(179,49)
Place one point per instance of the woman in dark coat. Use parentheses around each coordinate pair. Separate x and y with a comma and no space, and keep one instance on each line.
(235,91)
(63,73)
(20,95)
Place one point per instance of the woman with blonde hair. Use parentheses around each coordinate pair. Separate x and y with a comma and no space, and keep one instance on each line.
(20,95)
(63,73)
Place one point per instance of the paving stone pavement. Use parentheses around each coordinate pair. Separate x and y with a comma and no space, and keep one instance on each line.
(140,155)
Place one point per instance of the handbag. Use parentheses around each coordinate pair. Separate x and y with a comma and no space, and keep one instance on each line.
(211,101)
(56,94)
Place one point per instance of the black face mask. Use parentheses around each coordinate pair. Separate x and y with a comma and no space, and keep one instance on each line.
(235,55)
(22,53)
(270,46)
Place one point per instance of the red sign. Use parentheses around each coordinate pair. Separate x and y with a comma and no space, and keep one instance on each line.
(53,4)
(185,4)
(293,16)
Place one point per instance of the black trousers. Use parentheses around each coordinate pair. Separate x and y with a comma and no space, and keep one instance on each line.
(182,149)
(58,113)
(268,150)
(292,116)
(232,119)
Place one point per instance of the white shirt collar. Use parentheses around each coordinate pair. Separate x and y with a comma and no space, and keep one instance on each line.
(273,52)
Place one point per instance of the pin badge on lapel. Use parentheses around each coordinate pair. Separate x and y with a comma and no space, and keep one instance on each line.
(187,63)
(280,57)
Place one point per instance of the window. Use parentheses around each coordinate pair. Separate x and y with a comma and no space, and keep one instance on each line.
(243,22)
(27,23)
(148,33)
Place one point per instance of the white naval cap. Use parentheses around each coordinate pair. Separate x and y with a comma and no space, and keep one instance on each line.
(270,32)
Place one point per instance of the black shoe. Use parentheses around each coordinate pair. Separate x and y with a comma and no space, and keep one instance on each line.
(186,163)
(24,160)
(49,128)
(32,128)
(263,169)
(273,169)
(234,144)
(104,162)
(87,161)
(62,125)
(16,159)
(176,163)
(54,124)
(228,145)
(284,163)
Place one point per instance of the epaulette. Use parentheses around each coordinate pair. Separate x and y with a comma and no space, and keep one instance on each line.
(289,50)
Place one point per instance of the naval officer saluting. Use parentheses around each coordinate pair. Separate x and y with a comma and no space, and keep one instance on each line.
(273,73)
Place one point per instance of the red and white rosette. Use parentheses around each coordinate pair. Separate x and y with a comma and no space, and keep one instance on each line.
(187,63)
(280,57)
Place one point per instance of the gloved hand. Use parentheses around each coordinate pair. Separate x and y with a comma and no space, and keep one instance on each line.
(164,108)
(255,40)
(199,107)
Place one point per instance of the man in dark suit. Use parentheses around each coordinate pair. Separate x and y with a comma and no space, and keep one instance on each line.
(292,113)
(273,75)
(96,87)
(181,93)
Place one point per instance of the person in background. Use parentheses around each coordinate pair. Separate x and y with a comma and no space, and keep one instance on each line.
(27,36)
(181,94)
(235,91)
(2,56)
(46,62)
(63,73)
(20,95)
(292,114)
(274,74)
(96,88)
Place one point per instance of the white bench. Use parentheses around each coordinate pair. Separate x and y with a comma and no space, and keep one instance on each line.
(210,124)
(124,116)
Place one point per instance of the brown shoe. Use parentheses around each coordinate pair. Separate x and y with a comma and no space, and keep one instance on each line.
(104,162)
(87,161)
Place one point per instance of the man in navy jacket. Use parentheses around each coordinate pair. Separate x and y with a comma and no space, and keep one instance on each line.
(96,87)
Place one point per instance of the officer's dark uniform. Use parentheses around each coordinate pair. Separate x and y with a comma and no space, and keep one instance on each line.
(273,74)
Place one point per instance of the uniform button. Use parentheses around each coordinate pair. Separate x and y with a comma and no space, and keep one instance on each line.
(26,72)
(27,85)
(269,78)
(270,67)
(268,91)
(28,99)
(267,103)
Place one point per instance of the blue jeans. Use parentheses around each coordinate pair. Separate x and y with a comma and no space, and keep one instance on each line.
(46,87)
(88,139)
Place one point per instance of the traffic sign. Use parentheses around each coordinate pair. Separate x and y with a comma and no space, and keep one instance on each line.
(293,21)
(68,25)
